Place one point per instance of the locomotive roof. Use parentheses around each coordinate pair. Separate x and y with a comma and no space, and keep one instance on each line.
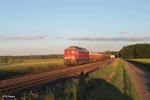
(79,48)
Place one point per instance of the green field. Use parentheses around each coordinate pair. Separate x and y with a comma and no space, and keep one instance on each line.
(145,61)
(29,66)
(110,82)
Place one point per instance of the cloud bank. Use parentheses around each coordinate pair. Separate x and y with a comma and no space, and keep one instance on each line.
(27,37)
(124,32)
(133,38)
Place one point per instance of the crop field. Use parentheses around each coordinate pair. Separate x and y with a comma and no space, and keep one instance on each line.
(110,82)
(29,66)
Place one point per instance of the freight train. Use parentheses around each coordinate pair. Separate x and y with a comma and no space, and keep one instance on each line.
(75,55)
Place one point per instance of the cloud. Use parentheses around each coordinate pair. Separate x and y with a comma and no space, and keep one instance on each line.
(132,38)
(27,37)
(124,32)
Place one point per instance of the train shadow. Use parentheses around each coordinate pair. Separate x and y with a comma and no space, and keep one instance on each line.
(98,89)
(143,66)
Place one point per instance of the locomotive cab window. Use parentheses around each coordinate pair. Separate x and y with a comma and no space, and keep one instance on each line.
(67,51)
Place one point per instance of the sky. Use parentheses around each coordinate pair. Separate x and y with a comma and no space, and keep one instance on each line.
(41,27)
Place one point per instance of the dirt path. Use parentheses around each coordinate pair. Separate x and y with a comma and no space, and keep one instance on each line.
(141,79)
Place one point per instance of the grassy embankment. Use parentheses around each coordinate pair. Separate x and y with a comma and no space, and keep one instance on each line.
(29,66)
(111,82)
(142,63)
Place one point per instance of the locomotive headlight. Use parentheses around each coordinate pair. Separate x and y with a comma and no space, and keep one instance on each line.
(72,57)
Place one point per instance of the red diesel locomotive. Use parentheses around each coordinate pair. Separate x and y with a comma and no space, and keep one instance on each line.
(75,55)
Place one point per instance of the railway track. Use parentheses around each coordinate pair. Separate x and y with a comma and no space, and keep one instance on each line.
(11,86)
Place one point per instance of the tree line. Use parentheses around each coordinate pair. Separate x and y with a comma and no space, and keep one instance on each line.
(7,59)
(115,53)
(135,51)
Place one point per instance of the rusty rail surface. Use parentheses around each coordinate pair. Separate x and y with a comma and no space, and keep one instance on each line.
(10,86)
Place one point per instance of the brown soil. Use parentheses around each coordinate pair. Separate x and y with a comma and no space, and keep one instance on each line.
(141,79)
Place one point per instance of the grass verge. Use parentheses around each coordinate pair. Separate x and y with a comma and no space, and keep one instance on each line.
(116,75)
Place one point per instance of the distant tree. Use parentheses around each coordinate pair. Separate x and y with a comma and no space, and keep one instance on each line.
(5,60)
(116,53)
(135,51)
(13,59)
